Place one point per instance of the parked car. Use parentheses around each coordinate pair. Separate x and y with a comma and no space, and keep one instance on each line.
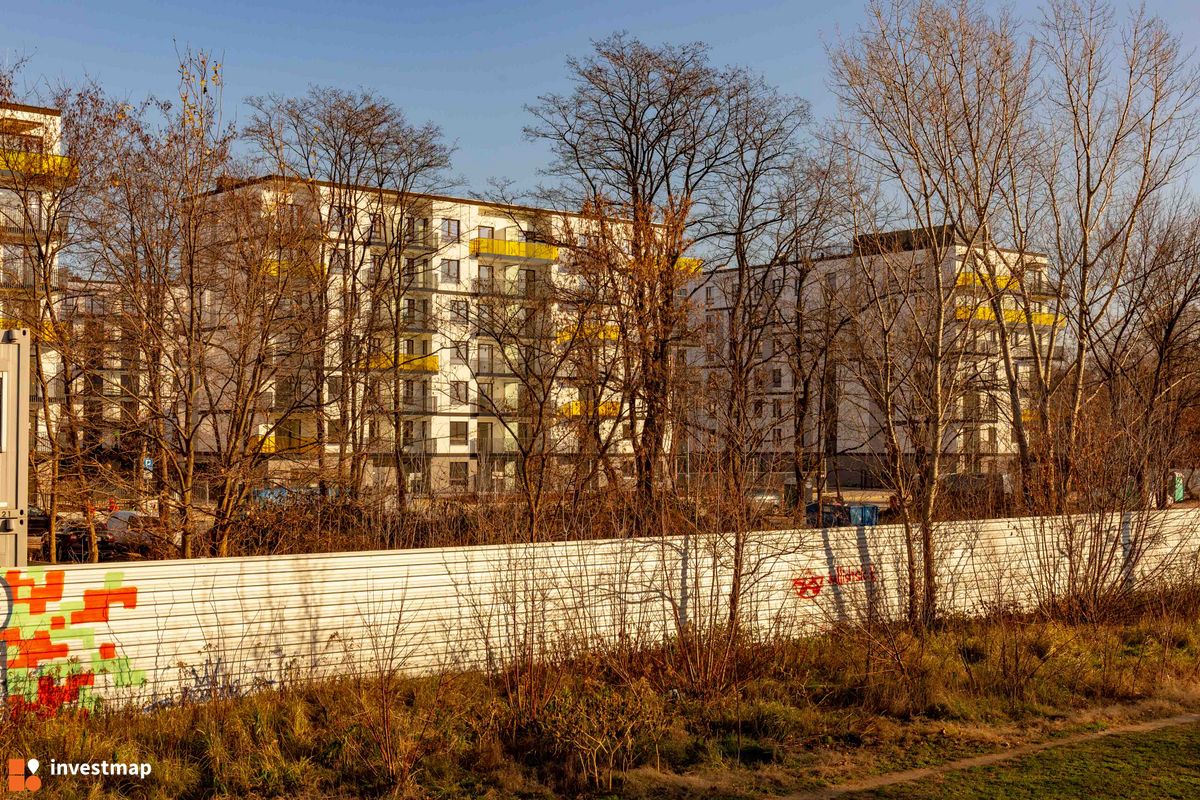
(765,501)
(133,533)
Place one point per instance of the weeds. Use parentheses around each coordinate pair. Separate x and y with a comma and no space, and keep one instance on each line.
(871,698)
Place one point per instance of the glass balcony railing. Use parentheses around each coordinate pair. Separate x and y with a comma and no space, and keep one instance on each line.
(407,363)
(578,408)
(37,164)
(502,248)
(1012,315)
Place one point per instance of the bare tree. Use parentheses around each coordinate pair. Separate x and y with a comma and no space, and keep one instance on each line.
(640,134)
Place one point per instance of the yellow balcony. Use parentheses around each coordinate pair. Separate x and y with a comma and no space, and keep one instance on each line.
(280,443)
(276,268)
(502,248)
(981,280)
(593,330)
(972,280)
(36,164)
(1012,315)
(266,444)
(578,408)
(407,363)
(46,331)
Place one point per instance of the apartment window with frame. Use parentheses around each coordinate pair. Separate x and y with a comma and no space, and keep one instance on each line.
(450,229)
(460,474)
(485,395)
(459,312)
(458,353)
(458,433)
(776,378)
(339,262)
(487,355)
(458,392)
(487,232)
(342,217)
(450,270)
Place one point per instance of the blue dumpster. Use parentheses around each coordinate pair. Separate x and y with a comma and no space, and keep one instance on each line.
(864,514)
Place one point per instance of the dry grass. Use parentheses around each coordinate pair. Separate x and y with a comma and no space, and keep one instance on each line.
(803,713)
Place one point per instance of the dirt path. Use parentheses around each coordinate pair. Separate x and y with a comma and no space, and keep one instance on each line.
(892,778)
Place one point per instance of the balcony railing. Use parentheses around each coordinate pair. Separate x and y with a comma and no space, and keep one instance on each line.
(419,405)
(588,331)
(407,363)
(502,248)
(418,321)
(282,268)
(578,408)
(1012,315)
(280,444)
(422,241)
(43,165)
(1035,284)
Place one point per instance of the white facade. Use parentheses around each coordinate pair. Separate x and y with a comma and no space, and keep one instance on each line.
(886,281)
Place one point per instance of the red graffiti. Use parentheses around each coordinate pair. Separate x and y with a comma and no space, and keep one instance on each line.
(51,695)
(38,596)
(809,586)
(34,649)
(96,603)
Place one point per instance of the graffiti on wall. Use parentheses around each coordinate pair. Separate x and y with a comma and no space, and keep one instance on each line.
(810,584)
(53,650)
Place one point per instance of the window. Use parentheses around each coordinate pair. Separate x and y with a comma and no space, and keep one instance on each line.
(709,295)
(333,387)
(339,262)
(459,311)
(487,356)
(376,226)
(458,353)
(458,433)
(487,232)
(459,474)
(450,229)
(777,409)
(458,392)
(341,217)
(450,271)
(485,277)
(776,378)
(485,395)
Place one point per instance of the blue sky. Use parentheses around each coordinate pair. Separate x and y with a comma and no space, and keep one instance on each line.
(468,66)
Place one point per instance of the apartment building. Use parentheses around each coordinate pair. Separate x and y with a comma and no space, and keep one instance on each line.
(847,298)
(422,338)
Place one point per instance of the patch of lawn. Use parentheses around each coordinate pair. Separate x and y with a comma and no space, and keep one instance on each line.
(1161,764)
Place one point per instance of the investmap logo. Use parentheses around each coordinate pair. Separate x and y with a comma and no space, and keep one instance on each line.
(22,775)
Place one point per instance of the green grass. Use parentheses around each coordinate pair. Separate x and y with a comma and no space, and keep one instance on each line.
(1161,764)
